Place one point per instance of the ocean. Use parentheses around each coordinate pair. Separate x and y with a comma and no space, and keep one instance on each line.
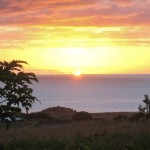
(92,93)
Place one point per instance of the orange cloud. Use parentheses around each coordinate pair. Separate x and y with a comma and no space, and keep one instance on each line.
(21,21)
(75,12)
(124,3)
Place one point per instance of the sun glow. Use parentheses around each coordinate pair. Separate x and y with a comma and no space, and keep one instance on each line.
(77,73)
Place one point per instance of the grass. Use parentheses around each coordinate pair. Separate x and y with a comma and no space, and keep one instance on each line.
(35,145)
(113,142)
(104,132)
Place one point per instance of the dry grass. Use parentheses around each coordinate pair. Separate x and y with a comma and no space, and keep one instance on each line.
(99,127)
(103,131)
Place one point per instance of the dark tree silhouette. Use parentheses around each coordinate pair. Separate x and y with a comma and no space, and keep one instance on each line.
(145,110)
(15,92)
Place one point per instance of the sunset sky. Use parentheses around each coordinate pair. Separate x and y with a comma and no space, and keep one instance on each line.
(67,36)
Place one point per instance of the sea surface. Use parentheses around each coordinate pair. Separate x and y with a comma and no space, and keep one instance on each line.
(92,93)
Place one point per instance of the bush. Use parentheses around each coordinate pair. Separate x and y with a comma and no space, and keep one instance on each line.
(121,118)
(145,110)
(37,115)
(137,116)
(80,116)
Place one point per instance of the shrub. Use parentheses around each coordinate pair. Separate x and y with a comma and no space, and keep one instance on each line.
(145,110)
(137,116)
(37,115)
(121,118)
(80,116)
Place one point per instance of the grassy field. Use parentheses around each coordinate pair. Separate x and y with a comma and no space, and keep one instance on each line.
(107,131)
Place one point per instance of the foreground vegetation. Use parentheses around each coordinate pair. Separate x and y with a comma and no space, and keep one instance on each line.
(113,142)
(107,131)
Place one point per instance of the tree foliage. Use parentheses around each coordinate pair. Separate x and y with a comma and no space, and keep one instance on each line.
(145,110)
(15,92)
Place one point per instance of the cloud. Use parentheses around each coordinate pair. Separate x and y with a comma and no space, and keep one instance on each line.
(123,3)
(26,38)
(54,71)
(74,12)
(49,23)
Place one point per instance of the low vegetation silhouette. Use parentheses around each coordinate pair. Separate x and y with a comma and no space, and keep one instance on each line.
(81,116)
(15,91)
(37,115)
(145,110)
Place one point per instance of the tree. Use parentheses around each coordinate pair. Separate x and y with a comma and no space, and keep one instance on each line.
(146,109)
(15,93)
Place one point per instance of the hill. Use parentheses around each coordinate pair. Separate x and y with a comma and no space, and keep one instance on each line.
(59,113)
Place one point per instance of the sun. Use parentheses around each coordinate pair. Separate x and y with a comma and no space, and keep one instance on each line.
(77,73)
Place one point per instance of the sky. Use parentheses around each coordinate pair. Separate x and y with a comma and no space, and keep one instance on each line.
(68,36)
